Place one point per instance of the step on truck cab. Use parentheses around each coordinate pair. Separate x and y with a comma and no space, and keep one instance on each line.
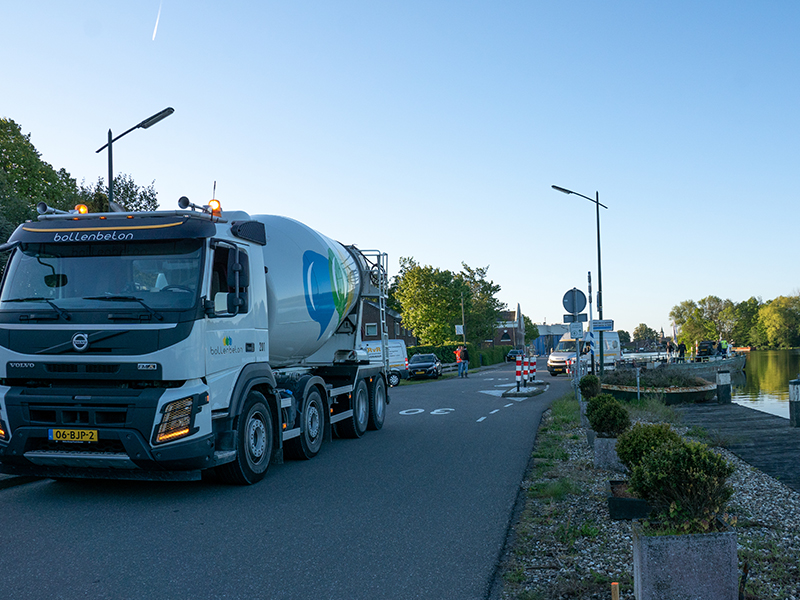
(157,345)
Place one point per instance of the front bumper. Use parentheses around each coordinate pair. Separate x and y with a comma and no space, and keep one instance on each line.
(119,454)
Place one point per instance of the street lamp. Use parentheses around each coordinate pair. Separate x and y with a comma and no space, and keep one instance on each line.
(148,122)
(597,204)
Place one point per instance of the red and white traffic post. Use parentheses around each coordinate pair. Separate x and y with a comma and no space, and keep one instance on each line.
(519,370)
(525,372)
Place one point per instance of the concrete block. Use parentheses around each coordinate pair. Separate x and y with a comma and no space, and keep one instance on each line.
(685,567)
(584,420)
(605,455)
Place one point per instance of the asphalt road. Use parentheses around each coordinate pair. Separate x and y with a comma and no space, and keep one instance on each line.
(419,509)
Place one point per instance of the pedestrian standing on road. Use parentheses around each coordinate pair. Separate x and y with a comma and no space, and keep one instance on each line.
(465,360)
(681,351)
(457,352)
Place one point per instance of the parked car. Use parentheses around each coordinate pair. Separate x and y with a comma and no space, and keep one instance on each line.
(706,348)
(424,365)
(513,354)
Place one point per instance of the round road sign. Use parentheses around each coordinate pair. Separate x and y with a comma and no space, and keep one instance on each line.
(574,301)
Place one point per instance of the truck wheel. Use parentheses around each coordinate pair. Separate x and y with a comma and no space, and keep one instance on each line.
(254,443)
(312,429)
(394,379)
(377,404)
(356,425)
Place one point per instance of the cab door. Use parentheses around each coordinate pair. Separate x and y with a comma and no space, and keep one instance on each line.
(232,339)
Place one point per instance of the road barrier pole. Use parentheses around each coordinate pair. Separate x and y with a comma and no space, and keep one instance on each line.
(525,372)
(519,370)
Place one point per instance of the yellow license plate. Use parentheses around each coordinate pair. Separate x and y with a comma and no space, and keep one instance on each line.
(73,435)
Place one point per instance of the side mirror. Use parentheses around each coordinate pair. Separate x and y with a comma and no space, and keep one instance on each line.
(241,266)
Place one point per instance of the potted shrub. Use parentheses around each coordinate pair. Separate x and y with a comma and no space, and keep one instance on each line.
(608,418)
(685,550)
(632,445)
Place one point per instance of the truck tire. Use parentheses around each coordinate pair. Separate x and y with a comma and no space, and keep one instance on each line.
(377,404)
(356,425)
(312,428)
(254,443)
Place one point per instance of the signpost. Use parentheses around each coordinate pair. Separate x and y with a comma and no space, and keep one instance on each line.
(574,302)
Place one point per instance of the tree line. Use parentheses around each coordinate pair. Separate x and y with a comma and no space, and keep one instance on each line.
(26,180)
(752,322)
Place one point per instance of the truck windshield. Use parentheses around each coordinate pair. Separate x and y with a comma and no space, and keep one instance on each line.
(566,346)
(164,275)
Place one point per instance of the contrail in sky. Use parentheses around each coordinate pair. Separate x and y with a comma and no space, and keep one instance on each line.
(155,29)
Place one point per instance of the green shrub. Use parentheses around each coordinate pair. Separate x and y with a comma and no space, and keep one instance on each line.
(608,417)
(685,484)
(595,401)
(641,439)
(590,386)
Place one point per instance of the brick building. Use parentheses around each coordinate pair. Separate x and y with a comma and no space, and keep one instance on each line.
(370,327)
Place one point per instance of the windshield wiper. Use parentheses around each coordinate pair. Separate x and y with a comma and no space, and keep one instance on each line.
(61,312)
(127,299)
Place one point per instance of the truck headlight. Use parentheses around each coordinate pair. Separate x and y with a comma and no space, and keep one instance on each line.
(177,420)
(3,431)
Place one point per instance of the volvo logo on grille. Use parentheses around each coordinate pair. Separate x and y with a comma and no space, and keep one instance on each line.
(80,341)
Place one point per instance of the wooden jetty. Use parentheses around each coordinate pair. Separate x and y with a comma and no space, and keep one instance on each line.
(765,441)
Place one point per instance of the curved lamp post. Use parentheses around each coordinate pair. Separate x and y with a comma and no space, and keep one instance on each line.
(148,122)
(598,204)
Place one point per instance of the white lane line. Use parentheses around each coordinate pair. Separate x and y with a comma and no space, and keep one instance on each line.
(496,410)
(509,404)
(481,419)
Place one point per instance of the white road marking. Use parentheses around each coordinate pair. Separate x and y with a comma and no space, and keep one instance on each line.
(481,419)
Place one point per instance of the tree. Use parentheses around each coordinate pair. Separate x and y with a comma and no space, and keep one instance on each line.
(624,337)
(643,334)
(780,320)
(430,301)
(131,197)
(694,326)
(26,180)
(746,318)
(481,308)
(531,330)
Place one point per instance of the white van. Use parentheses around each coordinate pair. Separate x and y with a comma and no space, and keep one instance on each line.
(565,351)
(398,359)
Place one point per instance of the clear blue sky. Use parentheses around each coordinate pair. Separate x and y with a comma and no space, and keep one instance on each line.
(434,130)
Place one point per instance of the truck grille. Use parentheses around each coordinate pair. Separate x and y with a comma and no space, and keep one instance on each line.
(96,414)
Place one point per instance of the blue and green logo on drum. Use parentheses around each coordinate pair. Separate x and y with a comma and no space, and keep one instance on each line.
(327,286)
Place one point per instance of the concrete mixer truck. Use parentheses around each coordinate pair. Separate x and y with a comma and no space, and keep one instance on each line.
(158,345)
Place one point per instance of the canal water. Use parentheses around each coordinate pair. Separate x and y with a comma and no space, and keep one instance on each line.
(765,383)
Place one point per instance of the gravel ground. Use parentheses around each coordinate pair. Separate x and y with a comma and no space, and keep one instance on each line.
(565,548)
